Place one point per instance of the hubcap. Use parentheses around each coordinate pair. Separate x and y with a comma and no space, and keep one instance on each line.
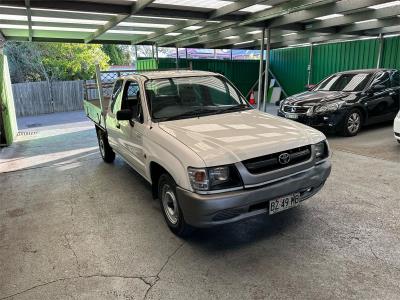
(170,204)
(353,123)
(101,146)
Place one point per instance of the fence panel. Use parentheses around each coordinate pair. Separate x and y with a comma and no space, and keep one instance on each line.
(67,95)
(35,98)
(32,98)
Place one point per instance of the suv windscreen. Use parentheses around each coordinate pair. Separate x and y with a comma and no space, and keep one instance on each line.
(345,82)
(183,97)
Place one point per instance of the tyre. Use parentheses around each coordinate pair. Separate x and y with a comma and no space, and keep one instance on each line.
(352,123)
(170,206)
(106,151)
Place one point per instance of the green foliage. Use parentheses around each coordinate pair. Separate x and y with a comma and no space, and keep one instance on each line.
(54,61)
(119,55)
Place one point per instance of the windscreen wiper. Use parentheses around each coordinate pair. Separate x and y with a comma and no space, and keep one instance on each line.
(196,112)
(233,108)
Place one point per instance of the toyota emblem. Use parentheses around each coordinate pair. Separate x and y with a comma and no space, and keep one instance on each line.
(284,158)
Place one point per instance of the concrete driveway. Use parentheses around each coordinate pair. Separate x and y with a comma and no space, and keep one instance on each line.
(73,227)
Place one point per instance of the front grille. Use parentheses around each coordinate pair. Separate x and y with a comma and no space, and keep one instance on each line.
(397,134)
(271,162)
(295,109)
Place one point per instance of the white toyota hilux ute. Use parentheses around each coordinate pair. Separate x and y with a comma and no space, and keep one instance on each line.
(210,157)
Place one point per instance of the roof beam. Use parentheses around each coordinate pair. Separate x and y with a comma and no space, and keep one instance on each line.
(274,12)
(29,15)
(317,39)
(119,9)
(217,13)
(375,32)
(351,18)
(218,36)
(370,25)
(327,9)
(136,7)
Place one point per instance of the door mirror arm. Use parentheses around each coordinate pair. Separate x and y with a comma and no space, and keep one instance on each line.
(124,115)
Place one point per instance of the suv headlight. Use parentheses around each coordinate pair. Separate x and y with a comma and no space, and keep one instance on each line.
(328,107)
(321,150)
(215,178)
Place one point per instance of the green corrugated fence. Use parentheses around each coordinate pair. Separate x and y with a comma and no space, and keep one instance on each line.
(290,64)
(9,127)
(243,73)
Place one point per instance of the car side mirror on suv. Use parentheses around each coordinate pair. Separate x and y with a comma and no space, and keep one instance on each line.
(124,115)
(377,88)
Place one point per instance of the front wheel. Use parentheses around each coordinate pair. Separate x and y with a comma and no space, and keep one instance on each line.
(352,123)
(170,207)
(106,151)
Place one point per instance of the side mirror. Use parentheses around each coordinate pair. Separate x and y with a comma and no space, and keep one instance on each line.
(278,103)
(124,115)
(377,87)
(310,87)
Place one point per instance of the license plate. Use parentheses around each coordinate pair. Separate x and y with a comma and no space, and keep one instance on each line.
(283,203)
(292,116)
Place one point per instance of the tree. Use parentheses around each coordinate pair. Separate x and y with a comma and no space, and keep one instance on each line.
(119,55)
(53,61)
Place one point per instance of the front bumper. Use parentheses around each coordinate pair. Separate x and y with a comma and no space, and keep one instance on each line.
(327,121)
(215,209)
(396,128)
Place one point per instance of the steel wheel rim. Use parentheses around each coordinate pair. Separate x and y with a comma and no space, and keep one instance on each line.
(353,123)
(101,146)
(170,204)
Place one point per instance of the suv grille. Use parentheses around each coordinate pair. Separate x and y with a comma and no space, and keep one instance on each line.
(295,109)
(275,161)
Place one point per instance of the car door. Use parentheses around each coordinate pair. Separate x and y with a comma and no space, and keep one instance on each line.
(111,121)
(380,102)
(395,80)
(131,132)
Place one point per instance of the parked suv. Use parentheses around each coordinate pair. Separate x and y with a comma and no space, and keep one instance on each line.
(346,101)
(210,157)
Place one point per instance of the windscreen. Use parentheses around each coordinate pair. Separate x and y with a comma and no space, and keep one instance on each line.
(345,82)
(175,98)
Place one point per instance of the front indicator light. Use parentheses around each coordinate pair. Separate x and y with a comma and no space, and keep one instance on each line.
(321,150)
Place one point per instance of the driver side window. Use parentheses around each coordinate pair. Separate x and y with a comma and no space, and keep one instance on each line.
(131,100)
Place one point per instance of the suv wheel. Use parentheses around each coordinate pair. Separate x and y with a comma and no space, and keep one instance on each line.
(106,151)
(352,123)
(170,206)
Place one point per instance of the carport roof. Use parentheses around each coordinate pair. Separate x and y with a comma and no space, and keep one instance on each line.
(201,24)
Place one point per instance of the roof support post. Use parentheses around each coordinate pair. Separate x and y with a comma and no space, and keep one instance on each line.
(2,42)
(29,15)
(177,58)
(266,76)
(156,47)
(260,74)
(380,53)
(309,69)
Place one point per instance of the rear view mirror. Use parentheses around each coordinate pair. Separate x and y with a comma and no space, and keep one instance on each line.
(124,115)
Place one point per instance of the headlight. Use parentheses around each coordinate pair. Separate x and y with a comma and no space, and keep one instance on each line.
(215,178)
(328,107)
(321,150)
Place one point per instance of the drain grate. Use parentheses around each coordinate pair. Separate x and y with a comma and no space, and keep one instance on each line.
(24,133)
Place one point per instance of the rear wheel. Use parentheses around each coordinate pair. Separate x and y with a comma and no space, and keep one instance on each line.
(352,123)
(170,206)
(106,151)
